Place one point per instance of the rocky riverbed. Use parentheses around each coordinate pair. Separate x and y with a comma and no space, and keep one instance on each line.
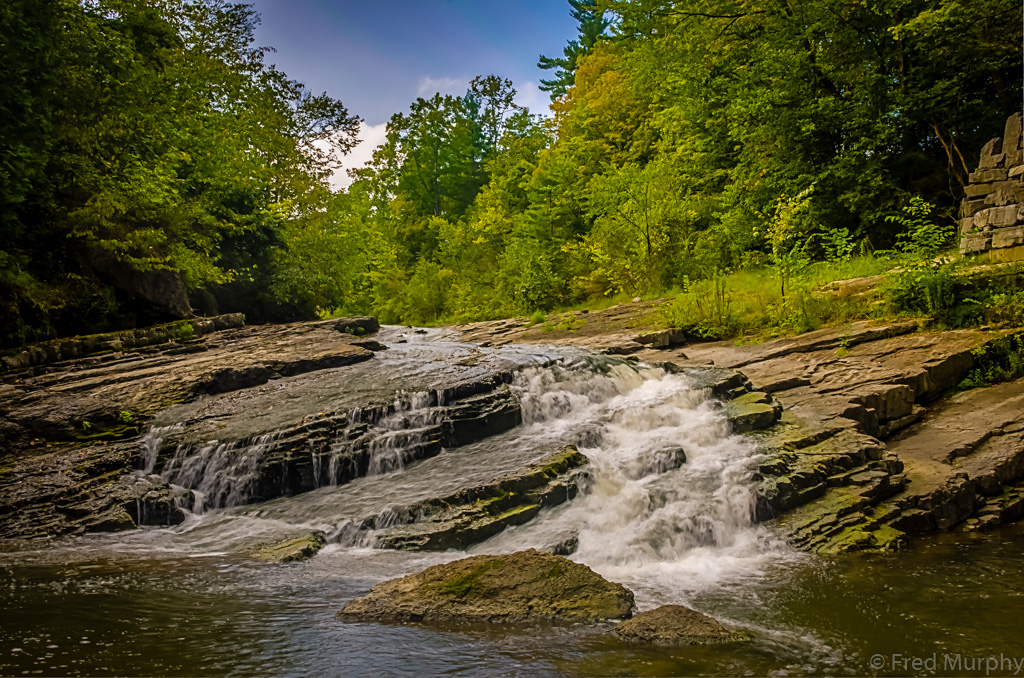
(673,469)
(867,449)
(875,443)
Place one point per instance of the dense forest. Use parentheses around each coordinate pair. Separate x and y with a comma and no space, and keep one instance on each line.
(152,161)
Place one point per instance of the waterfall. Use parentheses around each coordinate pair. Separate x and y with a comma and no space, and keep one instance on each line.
(151,443)
(670,506)
(219,474)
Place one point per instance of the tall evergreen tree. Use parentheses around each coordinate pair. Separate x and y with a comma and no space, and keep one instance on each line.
(592,24)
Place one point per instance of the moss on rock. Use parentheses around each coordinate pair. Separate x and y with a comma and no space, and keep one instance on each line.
(677,625)
(528,586)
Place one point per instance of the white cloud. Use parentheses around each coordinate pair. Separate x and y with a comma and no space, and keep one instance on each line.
(429,86)
(528,94)
(370,137)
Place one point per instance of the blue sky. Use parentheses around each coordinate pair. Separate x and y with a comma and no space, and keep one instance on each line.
(377,56)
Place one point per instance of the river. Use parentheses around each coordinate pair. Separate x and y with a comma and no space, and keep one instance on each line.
(667,512)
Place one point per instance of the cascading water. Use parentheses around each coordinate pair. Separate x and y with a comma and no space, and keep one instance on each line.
(670,508)
(667,511)
(219,474)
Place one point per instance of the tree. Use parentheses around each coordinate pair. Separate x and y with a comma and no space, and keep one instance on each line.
(145,137)
(592,25)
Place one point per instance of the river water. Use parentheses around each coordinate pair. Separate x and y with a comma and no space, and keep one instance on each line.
(667,513)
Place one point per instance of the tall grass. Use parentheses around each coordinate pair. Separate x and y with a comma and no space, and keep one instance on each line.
(754,301)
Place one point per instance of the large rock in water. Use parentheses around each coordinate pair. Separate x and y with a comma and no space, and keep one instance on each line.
(677,625)
(528,586)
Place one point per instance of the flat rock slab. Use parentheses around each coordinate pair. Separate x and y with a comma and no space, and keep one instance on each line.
(469,516)
(675,625)
(523,587)
(115,393)
(612,330)
(69,431)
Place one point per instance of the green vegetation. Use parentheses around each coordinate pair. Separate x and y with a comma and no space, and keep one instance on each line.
(694,147)
(140,137)
(999,360)
(737,153)
(185,332)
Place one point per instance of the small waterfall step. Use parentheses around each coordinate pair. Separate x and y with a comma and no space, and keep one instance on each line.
(469,516)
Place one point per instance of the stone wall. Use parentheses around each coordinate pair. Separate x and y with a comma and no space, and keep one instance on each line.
(992,213)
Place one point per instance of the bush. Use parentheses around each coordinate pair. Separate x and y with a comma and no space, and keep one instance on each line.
(1002,359)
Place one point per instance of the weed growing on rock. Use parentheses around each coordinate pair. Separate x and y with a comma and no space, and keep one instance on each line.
(999,360)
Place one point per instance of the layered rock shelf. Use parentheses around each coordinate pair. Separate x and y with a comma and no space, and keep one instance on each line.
(74,460)
(866,441)
(474,514)
(871,449)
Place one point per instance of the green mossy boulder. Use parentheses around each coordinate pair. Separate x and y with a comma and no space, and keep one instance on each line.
(677,625)
(524,587)
(290,550)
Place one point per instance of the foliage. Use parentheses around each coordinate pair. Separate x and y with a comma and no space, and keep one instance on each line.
(921,237)
(739,151)
(1006,309)
(924,283)
(592,25)
(184,332)
(999,360)
(749,302)
(192,163)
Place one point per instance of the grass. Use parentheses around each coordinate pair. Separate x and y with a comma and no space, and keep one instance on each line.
(751,301)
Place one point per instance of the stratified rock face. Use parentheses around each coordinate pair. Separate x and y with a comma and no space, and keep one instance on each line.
(677,625)
(472,515)
(528,586)
(290,550)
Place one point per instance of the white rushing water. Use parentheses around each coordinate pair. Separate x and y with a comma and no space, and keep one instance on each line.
(668,510)
(664,529)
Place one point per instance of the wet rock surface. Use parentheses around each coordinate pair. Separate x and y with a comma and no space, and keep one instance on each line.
(523,587)
(290,550)
(71,491)
(74,458)
(237,417)
(245,415)
(822,405)
(831,482)
(472,515)
(673,625)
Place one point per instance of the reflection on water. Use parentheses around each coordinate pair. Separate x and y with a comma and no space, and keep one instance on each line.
(957,593)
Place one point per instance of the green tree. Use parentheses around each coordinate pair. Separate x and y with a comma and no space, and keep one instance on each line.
(592,24)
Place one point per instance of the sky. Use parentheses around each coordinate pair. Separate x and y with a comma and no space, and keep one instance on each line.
(378,56)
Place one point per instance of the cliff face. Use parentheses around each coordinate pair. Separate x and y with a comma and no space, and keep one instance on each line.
(992,213)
